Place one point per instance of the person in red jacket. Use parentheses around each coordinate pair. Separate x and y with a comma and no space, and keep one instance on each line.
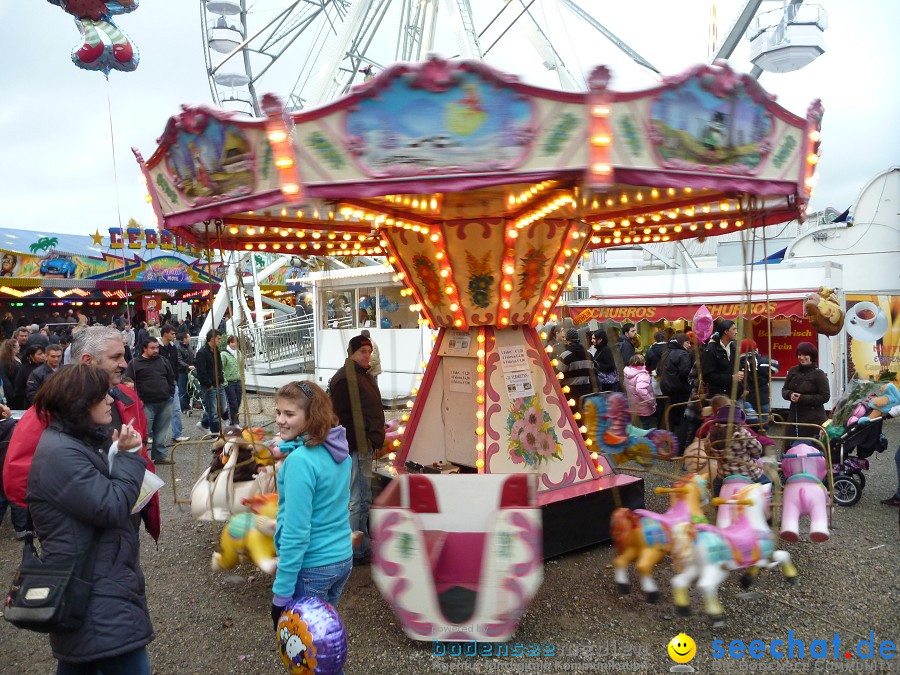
(99,346)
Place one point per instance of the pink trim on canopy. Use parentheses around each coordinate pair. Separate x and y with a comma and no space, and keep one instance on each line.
(184,219)
(724,183)
(424,184)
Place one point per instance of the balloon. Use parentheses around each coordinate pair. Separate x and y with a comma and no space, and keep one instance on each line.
(824,311)
(104,46)
(311,638)
(702,323)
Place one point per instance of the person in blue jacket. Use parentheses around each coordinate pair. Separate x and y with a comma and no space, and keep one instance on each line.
(312,531)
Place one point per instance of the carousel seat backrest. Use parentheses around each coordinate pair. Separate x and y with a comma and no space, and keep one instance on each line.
(804,458)
(457,513)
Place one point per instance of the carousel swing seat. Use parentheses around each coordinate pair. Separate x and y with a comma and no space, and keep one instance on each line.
(458,557)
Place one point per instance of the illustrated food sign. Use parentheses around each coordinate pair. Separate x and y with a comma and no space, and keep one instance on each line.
(873,335)
(468,127)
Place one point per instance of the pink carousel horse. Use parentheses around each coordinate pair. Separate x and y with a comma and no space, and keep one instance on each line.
(804,493)
(707,553)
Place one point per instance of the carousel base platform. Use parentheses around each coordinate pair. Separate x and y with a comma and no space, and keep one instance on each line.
(579,516)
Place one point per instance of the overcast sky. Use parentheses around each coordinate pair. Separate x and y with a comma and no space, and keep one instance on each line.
(58,175)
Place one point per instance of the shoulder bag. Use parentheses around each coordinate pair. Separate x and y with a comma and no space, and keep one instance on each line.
(51,597)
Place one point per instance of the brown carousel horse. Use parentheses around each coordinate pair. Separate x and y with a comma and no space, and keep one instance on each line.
(646,536)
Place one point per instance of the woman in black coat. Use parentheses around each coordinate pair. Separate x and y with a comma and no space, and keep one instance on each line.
(73,493)
(604,362)
(806,387)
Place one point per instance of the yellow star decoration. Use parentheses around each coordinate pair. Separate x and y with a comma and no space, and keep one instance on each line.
(97,237)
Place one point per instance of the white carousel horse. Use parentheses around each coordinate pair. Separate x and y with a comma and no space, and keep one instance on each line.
(706,553)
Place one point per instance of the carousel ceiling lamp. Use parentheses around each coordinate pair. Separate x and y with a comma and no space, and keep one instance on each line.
(600,171)
(234,230)
(248,247)
(282,149)
(289,247)
(251,231)
(508,268)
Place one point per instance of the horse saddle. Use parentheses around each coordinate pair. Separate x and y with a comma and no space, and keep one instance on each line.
(668,520)
(742,539)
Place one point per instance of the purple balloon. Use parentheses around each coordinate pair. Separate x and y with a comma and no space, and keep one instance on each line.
(311,637)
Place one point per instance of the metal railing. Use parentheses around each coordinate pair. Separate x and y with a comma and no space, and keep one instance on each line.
(283,341)
(576,294)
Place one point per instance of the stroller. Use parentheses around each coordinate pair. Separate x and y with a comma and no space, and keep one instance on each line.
(195,393)
(864,440)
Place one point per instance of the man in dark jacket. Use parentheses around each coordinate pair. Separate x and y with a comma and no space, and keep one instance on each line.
(212,380)
(576,367)
(625,344)
(169,351)
(185,365)
(675,367)
(154,379)
(655,352)
(759,369)
(356,397)
(718,362)
(42,372)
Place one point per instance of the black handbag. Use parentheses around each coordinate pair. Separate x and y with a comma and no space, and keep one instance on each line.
(51,597)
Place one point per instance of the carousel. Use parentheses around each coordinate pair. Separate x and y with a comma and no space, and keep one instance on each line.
(483,193)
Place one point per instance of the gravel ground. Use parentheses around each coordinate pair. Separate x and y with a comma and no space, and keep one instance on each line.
(215,623)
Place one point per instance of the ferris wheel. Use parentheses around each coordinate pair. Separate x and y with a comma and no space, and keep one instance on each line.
(311,51)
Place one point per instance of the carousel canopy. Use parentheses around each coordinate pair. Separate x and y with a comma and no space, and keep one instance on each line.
(442,165)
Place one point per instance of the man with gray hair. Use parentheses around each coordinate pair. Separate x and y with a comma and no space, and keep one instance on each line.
(99,346)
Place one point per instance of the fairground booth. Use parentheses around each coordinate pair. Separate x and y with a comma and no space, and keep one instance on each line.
(46,275)
(483,193)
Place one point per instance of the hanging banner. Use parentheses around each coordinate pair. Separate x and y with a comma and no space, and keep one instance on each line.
(787,334)
(728,310)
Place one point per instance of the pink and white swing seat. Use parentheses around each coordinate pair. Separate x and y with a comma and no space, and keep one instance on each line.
(458,557)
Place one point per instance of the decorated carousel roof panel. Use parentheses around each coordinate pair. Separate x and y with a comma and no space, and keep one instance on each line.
(425,146)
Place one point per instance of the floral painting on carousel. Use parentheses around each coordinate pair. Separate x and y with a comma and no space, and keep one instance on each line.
(460,126)
(531,276)
(532,438)
(711,121)
(481,280)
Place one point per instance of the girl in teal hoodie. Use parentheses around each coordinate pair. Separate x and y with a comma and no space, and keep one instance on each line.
(312,532)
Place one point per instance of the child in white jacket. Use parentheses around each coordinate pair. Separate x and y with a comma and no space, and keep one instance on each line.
(639,387)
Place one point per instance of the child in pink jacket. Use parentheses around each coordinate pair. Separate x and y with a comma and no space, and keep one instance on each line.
(639,388)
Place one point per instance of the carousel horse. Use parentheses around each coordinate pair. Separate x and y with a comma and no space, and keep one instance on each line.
(250,535)
(607,418)
(804,493)
(646,537)
(707,553)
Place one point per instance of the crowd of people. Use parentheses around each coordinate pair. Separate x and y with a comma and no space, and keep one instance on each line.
(716,393)
(75,462)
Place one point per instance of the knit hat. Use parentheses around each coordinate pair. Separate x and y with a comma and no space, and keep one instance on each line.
(358,341)
(747,346)
(730,413)
(571,335)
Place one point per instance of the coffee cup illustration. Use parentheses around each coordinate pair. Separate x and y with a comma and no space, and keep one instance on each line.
(866,321)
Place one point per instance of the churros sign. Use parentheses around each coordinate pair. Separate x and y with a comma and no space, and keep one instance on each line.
(731,310)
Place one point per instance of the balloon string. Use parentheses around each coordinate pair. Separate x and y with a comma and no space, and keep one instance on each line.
(112,143)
